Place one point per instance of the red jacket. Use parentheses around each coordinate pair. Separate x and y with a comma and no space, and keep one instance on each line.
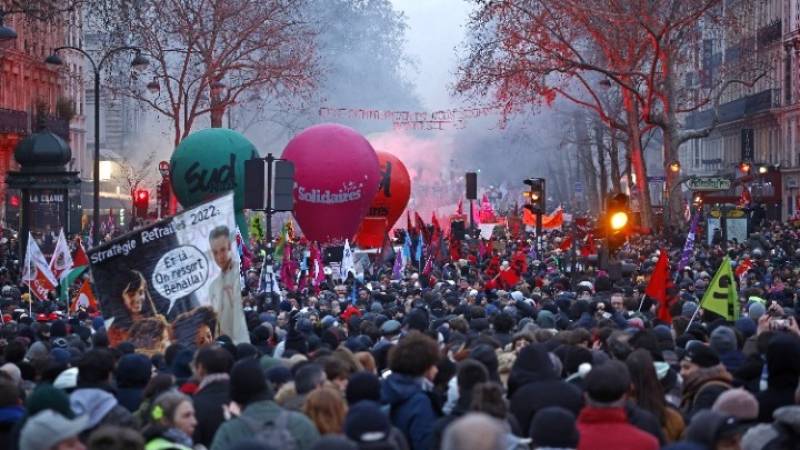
(608,429)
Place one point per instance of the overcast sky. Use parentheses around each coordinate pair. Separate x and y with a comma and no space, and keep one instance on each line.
(436,27)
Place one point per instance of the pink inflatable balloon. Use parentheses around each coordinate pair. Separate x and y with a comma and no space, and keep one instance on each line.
(336,177)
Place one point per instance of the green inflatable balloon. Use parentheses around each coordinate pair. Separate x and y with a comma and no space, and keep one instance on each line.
(209,163)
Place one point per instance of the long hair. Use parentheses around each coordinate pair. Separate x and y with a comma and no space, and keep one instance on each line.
(647,389)
(161,413)
(327,409)
(128,281)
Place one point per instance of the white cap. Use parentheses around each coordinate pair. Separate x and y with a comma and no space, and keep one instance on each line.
(67,379)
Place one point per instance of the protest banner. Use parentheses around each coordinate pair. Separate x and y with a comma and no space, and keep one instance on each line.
(169,270)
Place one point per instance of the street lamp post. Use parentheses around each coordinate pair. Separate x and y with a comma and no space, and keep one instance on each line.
(139,62)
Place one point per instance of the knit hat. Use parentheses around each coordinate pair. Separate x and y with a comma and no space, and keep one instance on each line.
(546,319)
(486,355)
(133,370)
(45,397)
(738,403)
(723,340)
(60,356)
(248,383)
(37,351)
(363,386)
(708,427)
(278,375)
(688,309)
(756,310)
(702,355)
(554,427)
(58,329)
(365,422)
(48,428)
(746,326)
(608,382)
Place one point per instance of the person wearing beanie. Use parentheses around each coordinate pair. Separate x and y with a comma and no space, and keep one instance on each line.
(714,430)
(132,375)
(211,366)
(780,433)
(603,422)
(48,430)
(554,427)
(368,426)
(251,392)
(546,319)
(704,378)
(756,310)
(724,342)
(688,309)
(534,383)
(94,395)
(363,386)
(738,403)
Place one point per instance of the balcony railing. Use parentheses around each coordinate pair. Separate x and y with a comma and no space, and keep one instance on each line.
(12,121)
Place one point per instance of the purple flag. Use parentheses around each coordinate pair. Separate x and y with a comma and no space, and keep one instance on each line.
(688,247)
(397,273)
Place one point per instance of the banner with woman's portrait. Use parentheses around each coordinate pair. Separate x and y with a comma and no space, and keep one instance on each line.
(175,280)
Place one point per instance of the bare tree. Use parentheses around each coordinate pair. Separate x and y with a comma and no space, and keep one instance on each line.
(206,55)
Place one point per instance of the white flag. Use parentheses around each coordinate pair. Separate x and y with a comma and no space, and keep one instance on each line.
(61,261)
(347,264)
(36,272)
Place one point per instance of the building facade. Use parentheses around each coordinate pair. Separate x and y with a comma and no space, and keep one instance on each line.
(758,124)
(29,88)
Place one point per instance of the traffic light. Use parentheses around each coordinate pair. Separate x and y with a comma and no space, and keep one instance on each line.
(141,202)
(617,221)
(536,195)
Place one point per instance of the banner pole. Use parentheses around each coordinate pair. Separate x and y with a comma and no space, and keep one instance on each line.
(693,316)
(641,303)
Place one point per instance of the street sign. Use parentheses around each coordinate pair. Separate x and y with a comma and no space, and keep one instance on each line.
(657,179)
(709,184)
(578,186)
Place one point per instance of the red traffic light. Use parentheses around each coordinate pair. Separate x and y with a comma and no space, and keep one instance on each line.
(14,201)
(141,198)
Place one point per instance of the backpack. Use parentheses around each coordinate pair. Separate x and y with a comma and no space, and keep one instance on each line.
(274,432)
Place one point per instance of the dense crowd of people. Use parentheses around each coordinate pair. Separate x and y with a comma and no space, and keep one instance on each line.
(571,356)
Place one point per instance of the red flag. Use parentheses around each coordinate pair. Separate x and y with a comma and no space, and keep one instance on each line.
(509,278)
(745,198)
(409,227)
(421,227)
(460,209)
(743,267)
(435,221)
(84,298)
(658,285)
(566,244)
(455,250)
(588,247)
(79,257)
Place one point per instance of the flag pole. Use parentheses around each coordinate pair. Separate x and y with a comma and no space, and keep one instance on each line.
(30,300)
(641,303)
(693,316)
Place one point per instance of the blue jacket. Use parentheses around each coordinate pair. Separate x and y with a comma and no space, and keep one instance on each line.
(411,410)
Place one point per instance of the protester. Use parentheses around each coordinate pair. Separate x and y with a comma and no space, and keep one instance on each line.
(172,422)
(260,416)
(49,430)
(603,422)
(462,355)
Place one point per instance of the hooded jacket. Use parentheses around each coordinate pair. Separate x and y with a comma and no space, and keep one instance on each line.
(411,409)
(533,384)
(783,433)
(101,407)
(783,366)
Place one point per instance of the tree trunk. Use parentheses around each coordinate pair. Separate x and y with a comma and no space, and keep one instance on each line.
(637,159)
(601,159)
(613,156)
(217,113)
(586,161)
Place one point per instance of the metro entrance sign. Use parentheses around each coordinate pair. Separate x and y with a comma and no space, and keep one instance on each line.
(708,184)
